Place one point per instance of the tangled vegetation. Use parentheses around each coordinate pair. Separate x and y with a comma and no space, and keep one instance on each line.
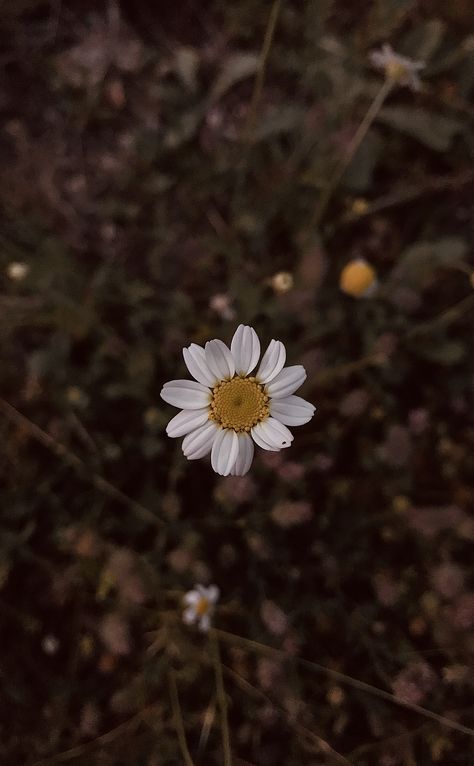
(169,172)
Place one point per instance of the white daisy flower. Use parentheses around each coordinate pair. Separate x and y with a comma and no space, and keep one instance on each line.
(225,409)
(399,69)
(200,604)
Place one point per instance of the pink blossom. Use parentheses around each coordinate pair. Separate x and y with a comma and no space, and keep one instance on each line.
(414,682)
(273,618)
(289,514)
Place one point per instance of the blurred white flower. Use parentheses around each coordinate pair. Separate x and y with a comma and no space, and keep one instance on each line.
(200,604)
(227,410)
(399,69)
(50,644)
(16,270)
(221,303)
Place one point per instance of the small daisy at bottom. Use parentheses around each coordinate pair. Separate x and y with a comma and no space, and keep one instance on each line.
(200,604)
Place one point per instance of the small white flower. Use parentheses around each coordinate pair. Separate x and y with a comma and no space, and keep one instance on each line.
(200,604)
(399,69)
(221,303)
(50,644)
(17,270)
(225,409)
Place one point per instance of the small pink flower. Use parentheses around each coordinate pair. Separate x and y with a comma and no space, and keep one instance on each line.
(448,580)
(273,618)
(414,682)
(289,514)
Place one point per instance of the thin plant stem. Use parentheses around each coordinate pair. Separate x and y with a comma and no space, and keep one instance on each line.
(403,196)
(75,462)
(323,747)
(126,728)
(221,698)
(445,318)
(345,679)
(178,720)
(256,98)
(262,66)
(345,161)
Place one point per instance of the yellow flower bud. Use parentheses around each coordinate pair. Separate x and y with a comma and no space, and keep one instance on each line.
(358,278)
(359,206)
(282,282)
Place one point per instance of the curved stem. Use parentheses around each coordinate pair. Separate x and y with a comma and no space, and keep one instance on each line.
(344,163)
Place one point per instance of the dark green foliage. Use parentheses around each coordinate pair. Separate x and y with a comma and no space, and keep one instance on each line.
(137,187)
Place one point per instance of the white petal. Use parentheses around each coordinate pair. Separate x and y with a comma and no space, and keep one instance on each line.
(287,381)
(292,410)
(186,394)
(189,615)
(195,360)
(186,421)
(224,451)
(245,456)
(192,597)
(199,442)
(212,593)
(205,623)
(219,359)
(273,433)
(260,441)
(272,362)
(245,348)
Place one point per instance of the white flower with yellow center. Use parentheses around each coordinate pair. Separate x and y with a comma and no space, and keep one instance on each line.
(396,68)
(200,604)
(225,409)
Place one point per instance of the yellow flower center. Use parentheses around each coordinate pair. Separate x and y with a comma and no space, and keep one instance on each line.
(202,606)
(396,71)
(239,404)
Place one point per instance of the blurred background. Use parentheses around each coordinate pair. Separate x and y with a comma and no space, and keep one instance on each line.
(169,171)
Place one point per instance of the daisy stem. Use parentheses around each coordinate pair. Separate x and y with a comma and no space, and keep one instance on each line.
(221,697)
(345,161)
(178,720)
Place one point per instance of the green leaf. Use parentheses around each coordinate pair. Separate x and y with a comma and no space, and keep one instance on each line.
(386,16)
(358,175)
(422,258)
(445,352)
(278,120)
(424,39)
(238,67)
(429,128)
(187,64)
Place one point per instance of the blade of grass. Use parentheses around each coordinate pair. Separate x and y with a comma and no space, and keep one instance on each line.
(75,462)
(105,739)
(320,744)
(221,698)
(345,679)
(255,100)
(178,720)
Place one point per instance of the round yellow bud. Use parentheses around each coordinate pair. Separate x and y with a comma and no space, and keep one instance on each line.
(282,282)
(358,278)
(359,206)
